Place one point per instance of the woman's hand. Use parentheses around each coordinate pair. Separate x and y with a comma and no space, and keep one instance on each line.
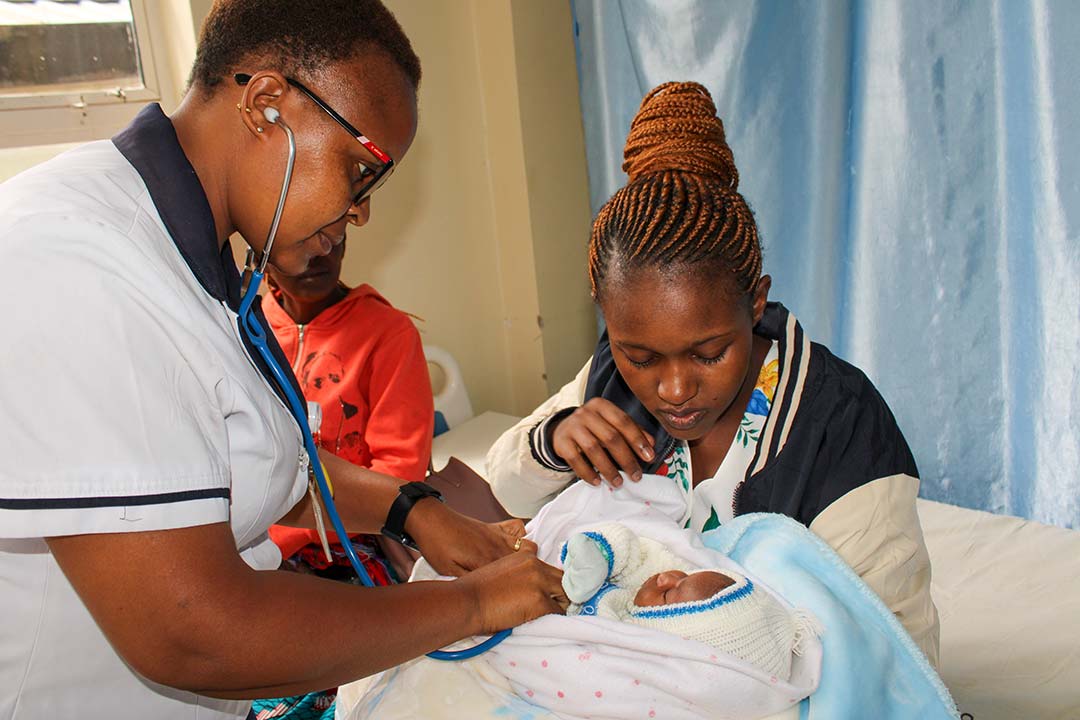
(598,440)
(514,590)
(454,543)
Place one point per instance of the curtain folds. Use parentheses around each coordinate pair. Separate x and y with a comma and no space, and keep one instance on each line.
(914,168)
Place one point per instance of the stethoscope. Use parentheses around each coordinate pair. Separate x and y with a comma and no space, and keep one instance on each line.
(297,407)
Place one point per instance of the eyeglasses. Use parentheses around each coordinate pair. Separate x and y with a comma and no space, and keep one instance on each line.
(371,179)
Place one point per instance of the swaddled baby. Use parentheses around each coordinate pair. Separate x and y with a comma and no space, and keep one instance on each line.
(613,573)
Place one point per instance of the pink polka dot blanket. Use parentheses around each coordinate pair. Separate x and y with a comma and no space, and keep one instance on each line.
(590,666)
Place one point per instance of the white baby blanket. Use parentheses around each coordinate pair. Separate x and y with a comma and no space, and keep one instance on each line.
(595,667)
(591,667)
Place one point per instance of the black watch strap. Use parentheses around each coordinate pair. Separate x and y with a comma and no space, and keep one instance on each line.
(408,495)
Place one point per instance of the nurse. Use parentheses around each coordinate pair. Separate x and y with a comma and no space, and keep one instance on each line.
(145,452)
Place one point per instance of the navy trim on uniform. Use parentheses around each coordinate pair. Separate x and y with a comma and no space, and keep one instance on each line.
(119,501)
(150,144)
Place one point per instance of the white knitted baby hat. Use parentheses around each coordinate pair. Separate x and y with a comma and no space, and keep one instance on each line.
(742,620)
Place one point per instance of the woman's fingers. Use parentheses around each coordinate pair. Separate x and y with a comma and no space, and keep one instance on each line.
(593,458)
(640,442)
(619,449)
(599,440)
(569,449)
(513,527)
(516,589)
(559,603)
(454,543)
(523,545)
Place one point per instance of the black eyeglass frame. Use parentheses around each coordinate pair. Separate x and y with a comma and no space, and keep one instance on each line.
(379,175)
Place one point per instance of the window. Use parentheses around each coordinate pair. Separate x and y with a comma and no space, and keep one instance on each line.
(73,69)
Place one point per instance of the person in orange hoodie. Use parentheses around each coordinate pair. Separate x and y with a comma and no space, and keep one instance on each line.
(362,360)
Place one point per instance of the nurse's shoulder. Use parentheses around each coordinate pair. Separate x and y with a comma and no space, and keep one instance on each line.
(83,228)
(92,183)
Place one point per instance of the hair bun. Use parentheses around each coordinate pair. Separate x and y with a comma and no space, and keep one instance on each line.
(676,128)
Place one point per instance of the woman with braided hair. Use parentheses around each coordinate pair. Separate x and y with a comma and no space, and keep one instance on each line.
(699,377)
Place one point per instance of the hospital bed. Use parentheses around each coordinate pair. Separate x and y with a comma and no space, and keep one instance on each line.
(1007,591)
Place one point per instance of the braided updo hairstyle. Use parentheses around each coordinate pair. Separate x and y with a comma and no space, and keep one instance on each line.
(681,209)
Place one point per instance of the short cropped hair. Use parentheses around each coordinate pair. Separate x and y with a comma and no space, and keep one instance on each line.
(296,38)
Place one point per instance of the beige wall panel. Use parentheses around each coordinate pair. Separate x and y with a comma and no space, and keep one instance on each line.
(554,143)
(430,245)
(497,61)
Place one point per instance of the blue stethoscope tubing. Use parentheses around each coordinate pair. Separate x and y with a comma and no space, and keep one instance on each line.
(298,409)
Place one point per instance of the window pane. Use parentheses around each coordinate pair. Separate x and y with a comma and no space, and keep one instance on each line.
(54,46)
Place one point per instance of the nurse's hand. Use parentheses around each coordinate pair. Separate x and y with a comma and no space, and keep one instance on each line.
(514,590)
(599,439)
(454,543)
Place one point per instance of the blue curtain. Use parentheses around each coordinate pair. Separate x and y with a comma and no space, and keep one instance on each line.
(914,168)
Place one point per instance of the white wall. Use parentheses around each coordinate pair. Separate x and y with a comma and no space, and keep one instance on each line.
(483,229)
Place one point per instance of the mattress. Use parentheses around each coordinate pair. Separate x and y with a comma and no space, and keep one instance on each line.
(1008,594)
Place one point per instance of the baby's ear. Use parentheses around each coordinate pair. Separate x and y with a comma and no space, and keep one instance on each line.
(723,580)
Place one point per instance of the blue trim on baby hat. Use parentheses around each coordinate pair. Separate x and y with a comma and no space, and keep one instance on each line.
(691,608)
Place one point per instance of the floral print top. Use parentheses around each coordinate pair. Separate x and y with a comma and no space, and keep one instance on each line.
(710,503)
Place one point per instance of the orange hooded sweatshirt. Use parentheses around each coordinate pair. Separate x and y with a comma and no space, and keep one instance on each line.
(362,360)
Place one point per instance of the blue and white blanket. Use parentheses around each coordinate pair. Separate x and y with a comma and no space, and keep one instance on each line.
(871,666)
(865,666)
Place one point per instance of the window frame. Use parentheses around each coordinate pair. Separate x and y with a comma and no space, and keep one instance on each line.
(67,116)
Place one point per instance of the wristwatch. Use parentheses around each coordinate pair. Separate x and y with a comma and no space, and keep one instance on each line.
(408,495)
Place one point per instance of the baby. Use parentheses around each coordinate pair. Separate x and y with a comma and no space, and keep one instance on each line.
(612,573)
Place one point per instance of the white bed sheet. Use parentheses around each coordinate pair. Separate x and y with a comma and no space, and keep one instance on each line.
(1008,593)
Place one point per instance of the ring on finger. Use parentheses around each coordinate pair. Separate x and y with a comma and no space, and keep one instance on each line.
(517,544)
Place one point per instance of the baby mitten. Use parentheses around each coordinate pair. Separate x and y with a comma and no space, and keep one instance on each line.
(586,566)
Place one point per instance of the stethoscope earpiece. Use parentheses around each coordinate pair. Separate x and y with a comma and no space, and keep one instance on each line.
(271,115)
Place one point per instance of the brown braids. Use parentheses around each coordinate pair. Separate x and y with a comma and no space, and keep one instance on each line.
(681,206)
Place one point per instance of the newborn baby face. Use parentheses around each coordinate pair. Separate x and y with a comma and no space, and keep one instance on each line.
(675,586)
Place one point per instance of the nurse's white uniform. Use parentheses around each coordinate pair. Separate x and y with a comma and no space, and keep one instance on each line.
(127,403)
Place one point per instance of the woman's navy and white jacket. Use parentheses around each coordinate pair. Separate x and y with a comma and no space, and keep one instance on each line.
(830,455)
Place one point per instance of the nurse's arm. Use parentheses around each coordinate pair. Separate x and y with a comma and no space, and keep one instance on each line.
(451,542)
(184,610)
